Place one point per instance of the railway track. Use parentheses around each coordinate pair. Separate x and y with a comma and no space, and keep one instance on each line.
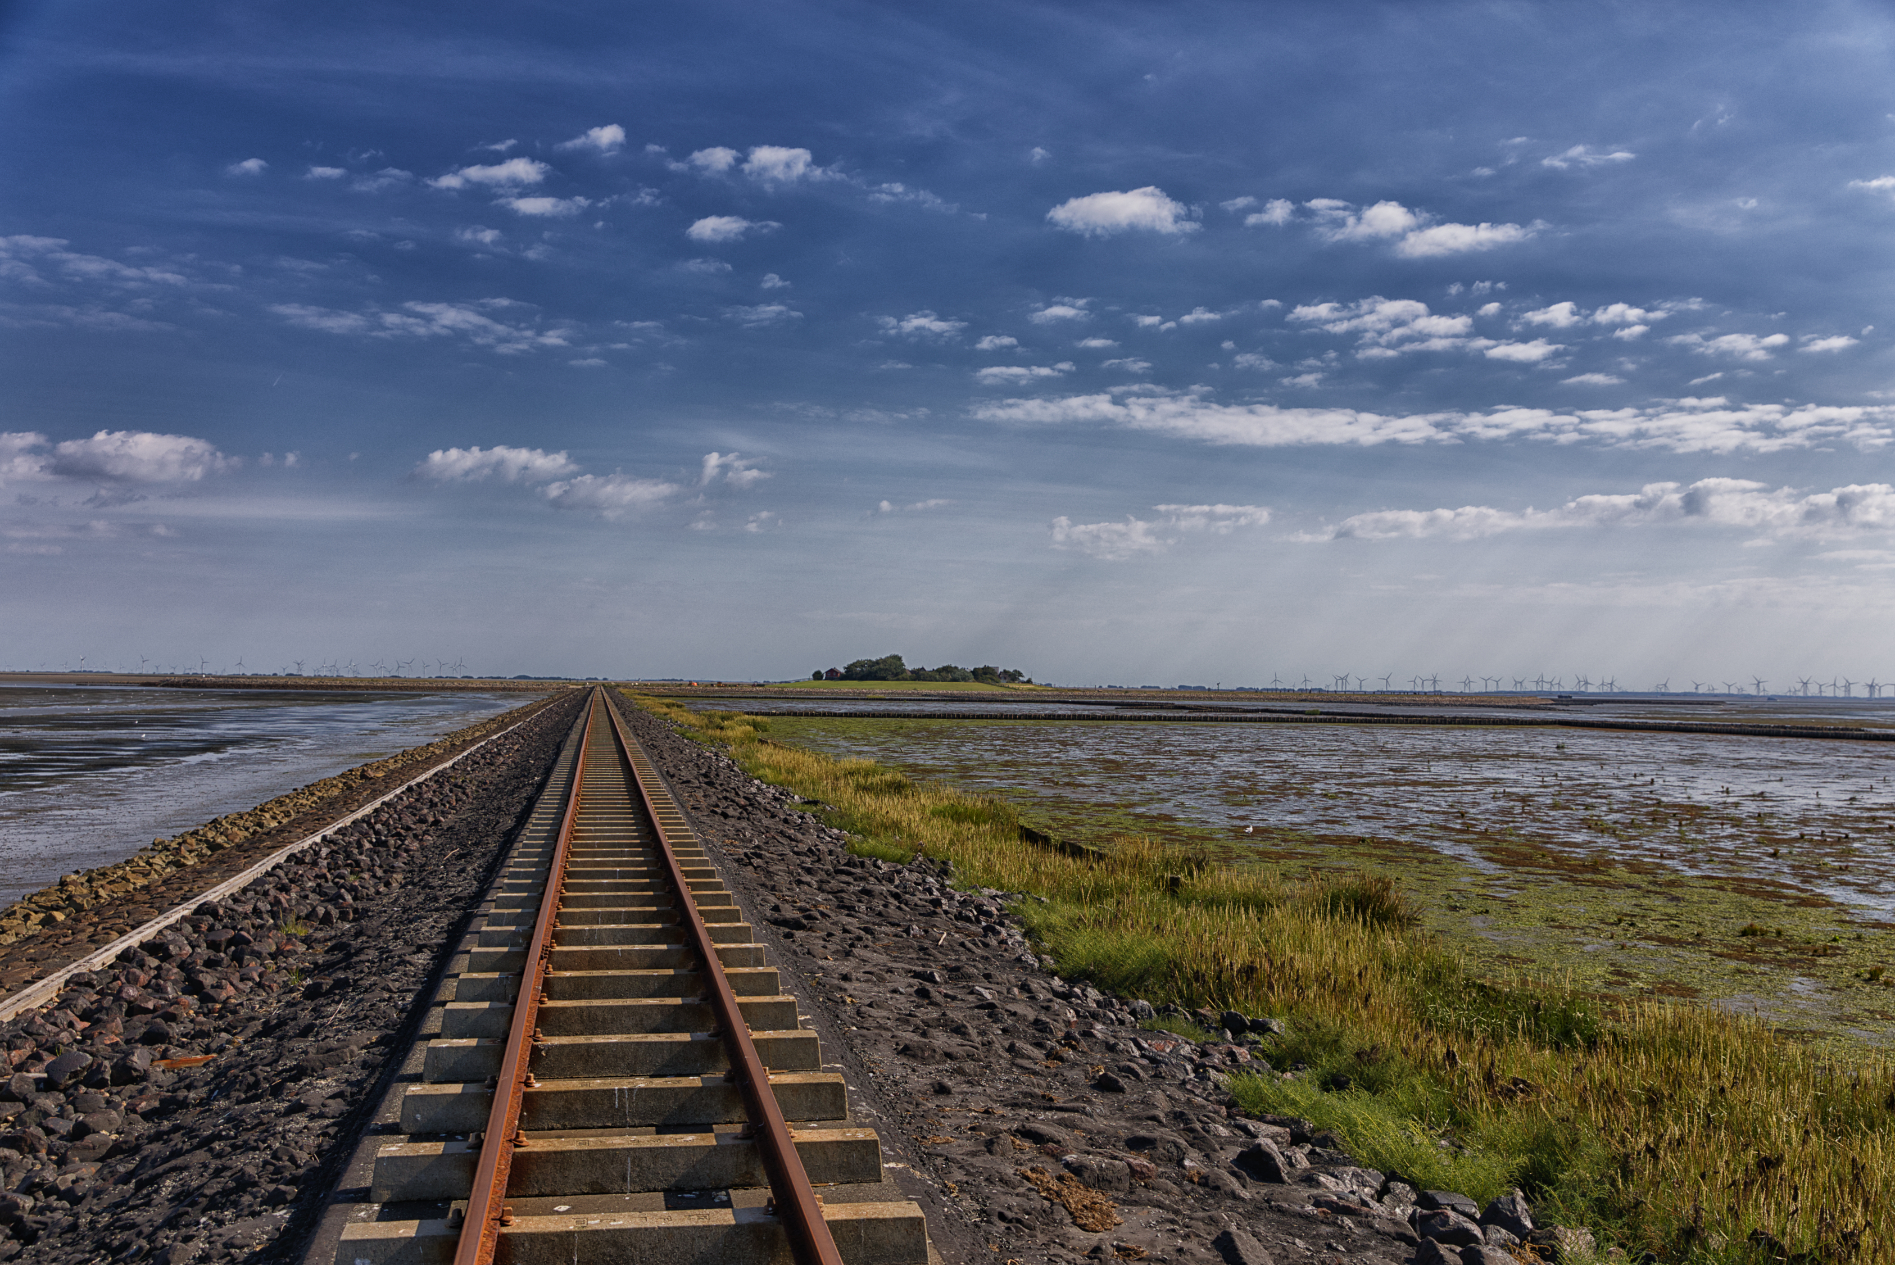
(612,1072)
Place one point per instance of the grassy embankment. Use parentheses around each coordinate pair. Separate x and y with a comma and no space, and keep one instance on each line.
(1692,1134)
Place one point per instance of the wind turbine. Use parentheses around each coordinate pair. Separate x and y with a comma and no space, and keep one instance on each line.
(1848,687)
(1609,687)
(1519,683)
(1697,687)
(1802,686)
(1581,684)
(1276,682)
(1873,687)
(1760,683)
(1663,687)
(1384,679)
(1730,687)
(1467,685)
(299,665)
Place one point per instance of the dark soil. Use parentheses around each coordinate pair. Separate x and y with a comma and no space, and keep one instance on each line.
(195,1101)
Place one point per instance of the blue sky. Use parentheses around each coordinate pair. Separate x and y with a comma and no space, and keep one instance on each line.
(1167,343)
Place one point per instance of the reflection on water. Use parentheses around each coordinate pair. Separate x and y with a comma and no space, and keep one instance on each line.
(90,774)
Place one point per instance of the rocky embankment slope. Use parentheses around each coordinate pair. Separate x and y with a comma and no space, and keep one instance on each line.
(194,1101)
(1044,1123)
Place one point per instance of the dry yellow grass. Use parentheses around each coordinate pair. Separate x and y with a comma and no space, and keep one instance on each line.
(1689,1133)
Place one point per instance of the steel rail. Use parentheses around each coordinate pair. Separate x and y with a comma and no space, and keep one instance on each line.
(796,1204)
(486,1205)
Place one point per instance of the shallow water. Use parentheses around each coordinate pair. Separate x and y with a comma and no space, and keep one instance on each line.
(1736,869)
(91,774)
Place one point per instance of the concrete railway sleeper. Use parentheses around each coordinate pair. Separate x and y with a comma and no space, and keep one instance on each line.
(598,1089)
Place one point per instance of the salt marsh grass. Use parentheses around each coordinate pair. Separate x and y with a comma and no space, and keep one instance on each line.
(1691,1133)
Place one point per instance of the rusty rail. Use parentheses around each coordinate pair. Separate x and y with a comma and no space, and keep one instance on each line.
(486,1205)
(795,1198)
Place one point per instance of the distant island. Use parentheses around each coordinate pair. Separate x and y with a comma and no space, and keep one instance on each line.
(891,668)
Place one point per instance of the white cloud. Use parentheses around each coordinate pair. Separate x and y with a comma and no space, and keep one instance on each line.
(898,192)
(731,468)
(727,228)
(1220,520)
(1096,344)
(1103,214)
(606,140)
(1200,316)
(1131,364)
(1487,309)
(1524,353)
(1389,327)
(471,321)
(514,171)
(1456,239)
(1314,379)
(476,235)
(757,314)
(716,160)
(1065,310)
(1252,360)
(611,496)
(509,465)
(499,147)
(762,521)
(1237,204)
(997,342)
(1414,233)
(325,173)
(120,457)
(1586,156)
(709,267)
(1689,425)
(26,258)
(1021,373)
(773,282)
(1277,211)
(1558,316)
(1741,346)
(386,178)
(923,324)
(777,164)
(1716,502)
(588,362)
(1631,332)
(916,507)
(1340,222)
(1626,314)
(1114,542)
(553,207)
(1834,343)
(1592,380)
(248,167)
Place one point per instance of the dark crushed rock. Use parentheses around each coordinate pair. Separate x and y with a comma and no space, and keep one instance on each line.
(194,1102)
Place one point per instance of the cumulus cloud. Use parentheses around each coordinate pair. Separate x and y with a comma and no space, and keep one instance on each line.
(477,322)
(1592,380)
(1524,353)
(325,173)
(773,282)
(605,140)
(30,259)
(1711,424)
(1558,316)
(1021,373)
(553,207)
(716,160)
(248,167)
(1276,212)
(757,314)
(1131,364)
(117,463)
(1586,156)
(1096,344)
(1063,310)
(709,267)
(1106,214)
(1716,502)
(1739,346)
(514,171)
(509,465)
(1115,542)
(715,229)
(1836,342)
(997,342)
(1201,315)
(1390,327)
(611,496)
(898,192)
(1252,360)
(477,235)
(1414,234)
(386,178)
(731,468)
(778,164)
(923,324)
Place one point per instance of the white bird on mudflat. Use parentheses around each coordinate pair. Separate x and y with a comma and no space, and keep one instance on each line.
(1249,829)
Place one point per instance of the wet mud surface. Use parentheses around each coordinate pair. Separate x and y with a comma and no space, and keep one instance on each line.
(1034,1120)
(1752,873)
(194,1102)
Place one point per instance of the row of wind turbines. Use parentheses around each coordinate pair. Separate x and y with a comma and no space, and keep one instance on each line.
(1839,687)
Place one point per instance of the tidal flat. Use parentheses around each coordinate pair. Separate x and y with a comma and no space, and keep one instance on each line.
(1754,874)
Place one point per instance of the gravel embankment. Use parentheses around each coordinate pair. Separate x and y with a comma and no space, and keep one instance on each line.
(1040,1122)
(194,1102)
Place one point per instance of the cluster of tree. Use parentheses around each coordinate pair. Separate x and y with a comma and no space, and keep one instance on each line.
(891,668)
